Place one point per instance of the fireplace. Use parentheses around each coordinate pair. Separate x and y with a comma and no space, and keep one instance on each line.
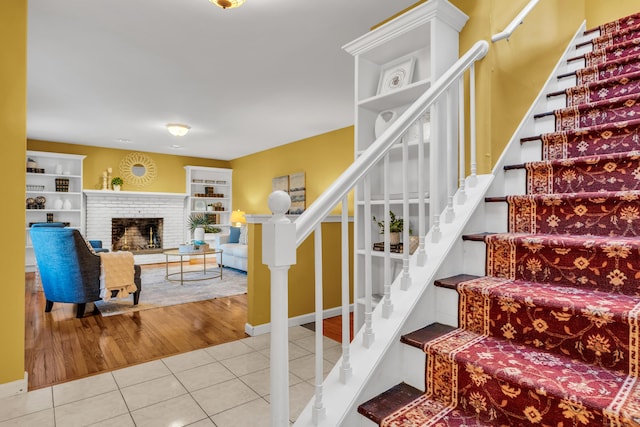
(137,235)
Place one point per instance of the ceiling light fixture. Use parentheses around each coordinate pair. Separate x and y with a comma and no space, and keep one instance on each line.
(177,129)
(228,4)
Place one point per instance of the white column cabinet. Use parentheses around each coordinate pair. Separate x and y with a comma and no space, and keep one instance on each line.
(415,49)
(53,193)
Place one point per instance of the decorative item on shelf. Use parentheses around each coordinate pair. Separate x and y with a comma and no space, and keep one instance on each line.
(33,187)
(384,120)
(31,164)
(196,220)
(62,185)
(297,193)
(209,191)
(398,247)
(36,202)
(117,183)
(396,75)
(218,206)
(49,217)
(31,203)
(200,205)
(57,204)
(396,225)
(213,219)
(66,205)
(237,218)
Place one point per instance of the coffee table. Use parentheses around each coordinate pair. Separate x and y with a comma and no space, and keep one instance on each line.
(205,274)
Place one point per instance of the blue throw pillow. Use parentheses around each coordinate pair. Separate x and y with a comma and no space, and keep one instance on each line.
(234,235)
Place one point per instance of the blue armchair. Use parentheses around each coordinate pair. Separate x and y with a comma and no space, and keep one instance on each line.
(69,270)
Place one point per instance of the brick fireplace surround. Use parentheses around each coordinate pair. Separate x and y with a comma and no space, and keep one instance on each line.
(102,206)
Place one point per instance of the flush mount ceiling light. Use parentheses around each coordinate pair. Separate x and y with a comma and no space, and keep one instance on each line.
(228,4)
(177,129)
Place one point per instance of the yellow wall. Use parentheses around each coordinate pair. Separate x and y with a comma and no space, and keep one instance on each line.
(513,72)
(323,158)
(13,121)
(171,173)
(599,12)
(301,275)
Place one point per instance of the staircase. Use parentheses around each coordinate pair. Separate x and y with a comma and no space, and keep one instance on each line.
(549,335)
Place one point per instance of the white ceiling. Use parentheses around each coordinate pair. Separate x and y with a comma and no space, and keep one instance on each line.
(248,79)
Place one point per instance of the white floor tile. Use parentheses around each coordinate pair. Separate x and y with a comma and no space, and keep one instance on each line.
(25,403)
(258,342)
(92,410)
(304,367)
(260,381)
(44,418)
(251,414)
(123,420)
(332,354)
(140,373)
(178,412)
(309,343)
(184,361)
(247,363)
(224,396)
(151,392)
(295,351)
(81,389)
(299,396)
(228,350)
(297,332)
(204,376)
(203,423)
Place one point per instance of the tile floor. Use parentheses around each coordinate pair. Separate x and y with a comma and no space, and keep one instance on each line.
(224,385)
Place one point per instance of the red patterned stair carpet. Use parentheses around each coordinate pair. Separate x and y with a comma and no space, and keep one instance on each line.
(551,335)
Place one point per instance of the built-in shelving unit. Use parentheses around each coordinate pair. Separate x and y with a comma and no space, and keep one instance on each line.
(53,193)
(427,38)
(209,193)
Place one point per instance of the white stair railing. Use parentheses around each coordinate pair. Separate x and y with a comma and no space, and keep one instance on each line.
(281,237)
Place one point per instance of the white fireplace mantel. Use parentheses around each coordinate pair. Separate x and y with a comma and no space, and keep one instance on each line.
(111,193)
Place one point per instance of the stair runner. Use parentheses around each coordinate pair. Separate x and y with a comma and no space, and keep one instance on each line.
(551,335)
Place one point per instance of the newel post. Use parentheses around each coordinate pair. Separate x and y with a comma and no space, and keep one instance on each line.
(279,253)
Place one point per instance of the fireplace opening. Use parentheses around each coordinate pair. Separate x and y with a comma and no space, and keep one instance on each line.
(137,235)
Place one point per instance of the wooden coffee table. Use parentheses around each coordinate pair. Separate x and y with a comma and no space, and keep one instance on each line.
(205,274)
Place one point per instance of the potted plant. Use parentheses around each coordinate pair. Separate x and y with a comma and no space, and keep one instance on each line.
(396,225)
(116,182)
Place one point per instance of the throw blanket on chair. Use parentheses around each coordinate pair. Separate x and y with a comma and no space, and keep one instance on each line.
(116,274)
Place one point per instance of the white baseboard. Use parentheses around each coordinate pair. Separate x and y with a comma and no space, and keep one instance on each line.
(265,328)
(14,387)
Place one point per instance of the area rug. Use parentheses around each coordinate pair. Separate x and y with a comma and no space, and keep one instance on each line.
(159,292)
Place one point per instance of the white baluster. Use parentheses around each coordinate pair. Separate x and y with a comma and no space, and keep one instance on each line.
(434,173)
(473,179)
(368,335)
(279,253)
(405,282)
(422,254)
(387,306)
(449,172)
(345,370)
(319,412)
(462,195)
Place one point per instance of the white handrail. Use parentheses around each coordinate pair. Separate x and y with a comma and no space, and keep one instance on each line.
(519,19)
(323,205)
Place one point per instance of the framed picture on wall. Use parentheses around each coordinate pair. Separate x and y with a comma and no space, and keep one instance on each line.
(297,192)
(396,75)
(280,183)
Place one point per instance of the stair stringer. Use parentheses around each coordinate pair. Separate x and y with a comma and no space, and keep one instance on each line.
(388,362)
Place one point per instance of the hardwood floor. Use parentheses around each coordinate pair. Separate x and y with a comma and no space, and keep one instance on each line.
(59,347)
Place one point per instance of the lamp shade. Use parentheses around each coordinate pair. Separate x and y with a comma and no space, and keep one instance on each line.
(177,129)
(228,4)
(237,218)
